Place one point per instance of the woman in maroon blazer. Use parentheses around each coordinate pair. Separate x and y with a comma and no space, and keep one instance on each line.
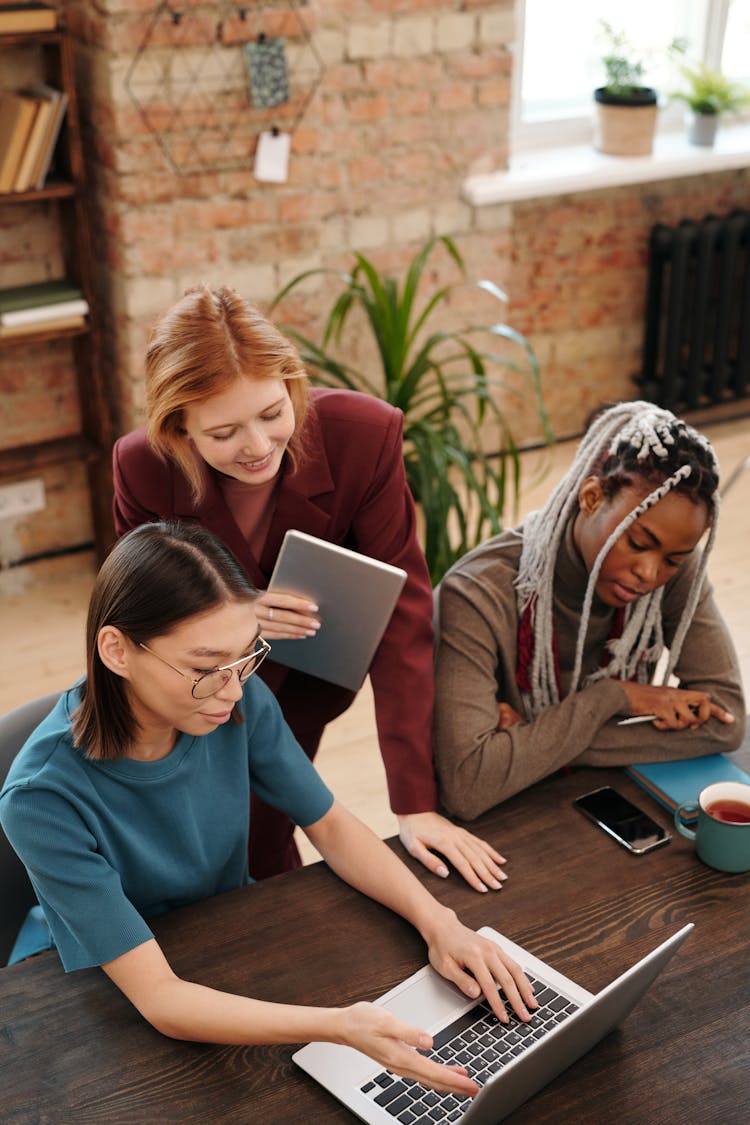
(236,441)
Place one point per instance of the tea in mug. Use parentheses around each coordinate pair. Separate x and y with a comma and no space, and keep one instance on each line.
(729,812)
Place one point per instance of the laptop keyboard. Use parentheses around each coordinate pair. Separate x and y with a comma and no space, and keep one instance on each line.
(476,1040)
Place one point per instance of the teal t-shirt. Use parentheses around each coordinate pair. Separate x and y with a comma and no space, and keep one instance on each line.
(110,844)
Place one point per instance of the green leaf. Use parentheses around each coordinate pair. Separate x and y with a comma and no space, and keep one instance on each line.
(447,386)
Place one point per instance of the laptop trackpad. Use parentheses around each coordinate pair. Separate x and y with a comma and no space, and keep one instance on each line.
(426,1000)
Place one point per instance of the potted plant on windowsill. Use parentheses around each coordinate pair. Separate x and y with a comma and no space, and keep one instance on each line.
(625,118)
(462,461)
(708,94)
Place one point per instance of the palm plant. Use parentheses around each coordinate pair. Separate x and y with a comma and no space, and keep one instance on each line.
(446,386)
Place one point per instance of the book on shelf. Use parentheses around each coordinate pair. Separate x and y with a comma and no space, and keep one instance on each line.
(54,324)
(681,780)
(77,307)
(17,112)
(39,293)
(27,17)
(59,101)
(34,141)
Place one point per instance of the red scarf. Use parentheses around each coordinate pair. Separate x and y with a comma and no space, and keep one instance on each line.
(525,647)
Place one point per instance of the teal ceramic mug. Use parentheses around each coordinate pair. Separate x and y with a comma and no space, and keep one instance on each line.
(722,834)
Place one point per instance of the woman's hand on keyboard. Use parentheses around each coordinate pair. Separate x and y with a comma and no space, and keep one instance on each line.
(478,967)
(397,1045)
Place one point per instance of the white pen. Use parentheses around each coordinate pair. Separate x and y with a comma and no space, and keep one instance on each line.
(635,719)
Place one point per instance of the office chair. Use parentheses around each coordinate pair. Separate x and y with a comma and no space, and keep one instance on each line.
(16,894)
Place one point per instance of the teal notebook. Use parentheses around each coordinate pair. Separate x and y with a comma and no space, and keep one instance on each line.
(673,783)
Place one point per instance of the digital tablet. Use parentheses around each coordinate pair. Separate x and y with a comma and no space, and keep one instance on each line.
(356,596)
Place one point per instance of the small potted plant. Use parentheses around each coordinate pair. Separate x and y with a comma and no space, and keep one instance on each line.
(625,118)
(708,94)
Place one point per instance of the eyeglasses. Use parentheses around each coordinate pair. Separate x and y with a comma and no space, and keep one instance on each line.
(210,682)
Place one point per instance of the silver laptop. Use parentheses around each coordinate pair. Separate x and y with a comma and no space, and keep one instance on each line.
(356,596)
(509,1062)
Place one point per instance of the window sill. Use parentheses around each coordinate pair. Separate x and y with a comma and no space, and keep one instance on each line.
(556,171)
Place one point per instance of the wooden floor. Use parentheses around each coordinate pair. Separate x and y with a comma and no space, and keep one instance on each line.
(42,627)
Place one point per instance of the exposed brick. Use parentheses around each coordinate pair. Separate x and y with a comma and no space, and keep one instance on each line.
(291,268)
(368,231)
(222,214)
(154,259)
(421,73)
(452,98)
(309,205)
(455,32)
(452,217)
(330,45)
(411,130)
(497,27)
(258,281)
(327,175)
(412,226)
(473,4)
(369,40)
(339,79)
(486,64)
(305,139)
(377,164)
(414,166)
(411,102)
(365,169)
(148,224)
(368,107)
(413,36)
(397,6)
(495,93)
(145,296)
(410,194)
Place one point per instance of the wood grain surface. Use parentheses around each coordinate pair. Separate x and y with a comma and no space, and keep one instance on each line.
(73,1049)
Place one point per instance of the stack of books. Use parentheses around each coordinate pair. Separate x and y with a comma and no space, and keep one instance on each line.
(30,122)
(48,305)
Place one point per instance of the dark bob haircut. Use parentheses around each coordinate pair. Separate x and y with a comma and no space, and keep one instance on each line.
(157,576)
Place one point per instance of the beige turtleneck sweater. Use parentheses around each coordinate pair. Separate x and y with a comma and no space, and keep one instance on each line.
(478,765)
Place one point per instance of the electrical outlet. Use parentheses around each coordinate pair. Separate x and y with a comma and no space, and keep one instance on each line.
(22,498)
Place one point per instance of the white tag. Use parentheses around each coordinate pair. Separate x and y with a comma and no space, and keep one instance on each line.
(272,157)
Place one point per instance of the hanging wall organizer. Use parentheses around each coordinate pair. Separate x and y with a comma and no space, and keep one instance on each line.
(208,80)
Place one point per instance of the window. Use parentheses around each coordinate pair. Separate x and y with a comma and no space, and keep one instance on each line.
(733,48)
(560,62)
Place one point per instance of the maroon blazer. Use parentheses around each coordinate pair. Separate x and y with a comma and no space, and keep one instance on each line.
(350,489)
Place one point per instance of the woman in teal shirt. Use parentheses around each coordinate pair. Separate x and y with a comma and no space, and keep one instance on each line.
(131,799)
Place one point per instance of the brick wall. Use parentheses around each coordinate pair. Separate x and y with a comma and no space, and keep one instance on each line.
(414,95)
(411,97)
(577,280)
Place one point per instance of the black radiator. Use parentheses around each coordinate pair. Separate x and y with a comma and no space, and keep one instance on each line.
(696,350)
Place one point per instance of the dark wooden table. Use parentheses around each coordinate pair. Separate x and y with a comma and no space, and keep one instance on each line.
(73,1049)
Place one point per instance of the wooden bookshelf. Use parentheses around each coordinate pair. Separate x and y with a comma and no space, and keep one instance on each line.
(54,190)
(65,192)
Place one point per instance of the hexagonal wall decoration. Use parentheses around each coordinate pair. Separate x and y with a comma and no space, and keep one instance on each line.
(208,78)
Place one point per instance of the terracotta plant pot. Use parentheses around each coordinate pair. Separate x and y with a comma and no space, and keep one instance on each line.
(625,125)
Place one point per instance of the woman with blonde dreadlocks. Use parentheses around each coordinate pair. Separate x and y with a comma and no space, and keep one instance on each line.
(549,634)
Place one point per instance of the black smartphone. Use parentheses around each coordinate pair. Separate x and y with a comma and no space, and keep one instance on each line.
(622,820)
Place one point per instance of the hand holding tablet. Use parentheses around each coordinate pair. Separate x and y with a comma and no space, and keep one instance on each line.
(355,597)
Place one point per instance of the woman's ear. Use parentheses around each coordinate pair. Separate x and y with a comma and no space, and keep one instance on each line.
(590,496)
(114,650)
